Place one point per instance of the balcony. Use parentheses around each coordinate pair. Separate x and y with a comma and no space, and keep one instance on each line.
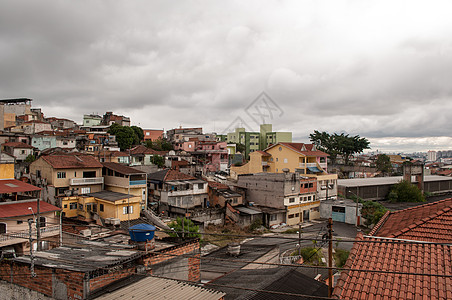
(86,181)
(265,163)
(137,182)
(23,236)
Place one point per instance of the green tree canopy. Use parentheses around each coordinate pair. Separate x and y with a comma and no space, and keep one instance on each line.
(161,144)
(240,148)
(158,160)
(383,164)
(188,226)
(139,133)
(405,192)
(125,136)
(372,212)
(335,144)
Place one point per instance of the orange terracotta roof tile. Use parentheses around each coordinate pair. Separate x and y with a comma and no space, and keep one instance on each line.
(121,168)
(217,185)
(72,161)
(17,145)
(396,257)
(428,222)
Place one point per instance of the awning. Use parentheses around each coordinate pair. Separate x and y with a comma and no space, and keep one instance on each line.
(314,169)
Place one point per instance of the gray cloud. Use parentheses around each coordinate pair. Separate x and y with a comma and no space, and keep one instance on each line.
(373,68)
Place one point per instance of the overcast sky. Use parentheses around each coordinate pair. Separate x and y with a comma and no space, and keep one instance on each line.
(379,69)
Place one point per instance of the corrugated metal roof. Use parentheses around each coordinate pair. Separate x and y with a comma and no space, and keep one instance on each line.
(156,288)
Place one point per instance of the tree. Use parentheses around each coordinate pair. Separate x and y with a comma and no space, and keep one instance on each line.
(383,164)
(139,133)
(125,136)
(404,191)
(30,158)
(158,160)
(189,226)
(161,144)
(240,148)
(372,212)
(336,144)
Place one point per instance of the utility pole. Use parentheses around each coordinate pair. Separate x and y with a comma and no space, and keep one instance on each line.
(38,228)
(32,258)
(330,257)
(299,239)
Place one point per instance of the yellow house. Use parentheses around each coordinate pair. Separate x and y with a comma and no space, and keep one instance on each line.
(76,172)
(7,162)
(103,204)
(290,157)
(124,179)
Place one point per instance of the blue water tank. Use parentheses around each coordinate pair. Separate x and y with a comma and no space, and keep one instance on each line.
(141,232)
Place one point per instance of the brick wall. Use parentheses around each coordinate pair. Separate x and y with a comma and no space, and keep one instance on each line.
(101,281)
(44,279)
(190,249)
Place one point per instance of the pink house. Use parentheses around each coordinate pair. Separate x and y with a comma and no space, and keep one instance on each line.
(214,155)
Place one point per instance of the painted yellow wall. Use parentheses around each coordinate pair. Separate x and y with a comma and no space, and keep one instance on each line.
(111,209)
(6,171)
(293,159)
(298,209)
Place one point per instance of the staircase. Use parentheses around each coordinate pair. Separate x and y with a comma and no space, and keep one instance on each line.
(151,216)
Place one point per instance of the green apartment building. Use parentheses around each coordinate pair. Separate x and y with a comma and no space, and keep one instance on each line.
(254,141)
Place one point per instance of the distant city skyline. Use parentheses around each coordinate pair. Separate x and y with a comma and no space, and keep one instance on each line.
(378,69)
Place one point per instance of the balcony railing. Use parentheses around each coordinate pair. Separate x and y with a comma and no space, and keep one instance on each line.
(84,181)
(137,182)
(25,234)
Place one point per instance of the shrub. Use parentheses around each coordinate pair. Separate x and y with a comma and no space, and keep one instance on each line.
(341,257)
(405,192)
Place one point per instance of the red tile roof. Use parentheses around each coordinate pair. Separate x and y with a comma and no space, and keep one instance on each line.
(263,153)
(121,168)
(375,255)
(298,147)
(145,150)
(17,209)
(17,145)
(72,161)
(217,185)
(176,175)
(430,222)
(16,186)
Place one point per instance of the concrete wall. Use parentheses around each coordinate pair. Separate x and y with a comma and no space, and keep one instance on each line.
(269,189)
(15,292)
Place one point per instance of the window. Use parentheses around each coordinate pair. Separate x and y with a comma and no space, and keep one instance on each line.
(65,206)
(127,210)
(19,222)
(235,201)
(61,174)
(65,143)
(22,151)
(280,148)
(309,198)
(72,205)
(273,218)
(291,216)
(200,186)
(80,207)
(276,159)
(89,174)
(85,190)
(285,160)
(91,207)
(311,185)
(42,222)
(297,215)
(306,185)
(291,200)
(101,207)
